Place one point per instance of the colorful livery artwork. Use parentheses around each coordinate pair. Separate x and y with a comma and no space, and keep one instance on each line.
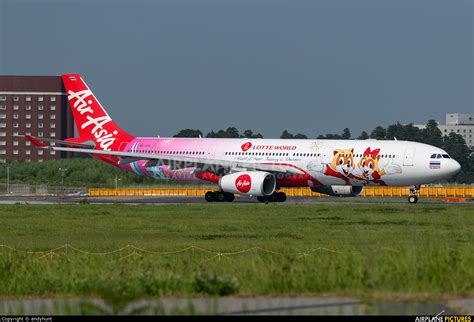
(249,167)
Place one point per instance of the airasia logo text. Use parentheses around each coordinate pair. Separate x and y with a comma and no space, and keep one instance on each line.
(83,106)
(243,183)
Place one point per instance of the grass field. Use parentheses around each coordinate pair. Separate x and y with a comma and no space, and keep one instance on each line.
(372,251)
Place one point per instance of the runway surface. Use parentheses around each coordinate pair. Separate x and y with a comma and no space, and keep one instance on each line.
(242,306)
(176,200)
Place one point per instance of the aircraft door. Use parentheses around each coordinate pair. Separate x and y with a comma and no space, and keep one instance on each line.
(409,156)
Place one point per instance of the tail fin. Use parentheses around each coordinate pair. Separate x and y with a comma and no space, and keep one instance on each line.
(92,121)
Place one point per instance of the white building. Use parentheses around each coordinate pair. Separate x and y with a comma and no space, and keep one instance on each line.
(462,124)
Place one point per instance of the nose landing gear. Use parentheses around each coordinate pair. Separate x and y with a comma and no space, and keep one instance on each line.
(413,198)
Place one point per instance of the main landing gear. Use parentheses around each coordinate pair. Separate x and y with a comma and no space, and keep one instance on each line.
(413,198)
(275,197)
(219,196)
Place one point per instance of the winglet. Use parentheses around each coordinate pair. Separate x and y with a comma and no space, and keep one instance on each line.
(36,142)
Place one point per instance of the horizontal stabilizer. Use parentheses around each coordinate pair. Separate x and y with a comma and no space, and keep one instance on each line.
(36,142)
(39,142)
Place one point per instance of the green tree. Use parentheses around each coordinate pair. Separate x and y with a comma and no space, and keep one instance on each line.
(188,133)
(212,134)
(346,134)
(83,172)
(378,133)
(286,135)
(300,136)
(395,131)
(456,147)
(403,132)
(330,136)
(231,132)
(432,135)
(249,134)
(363,136)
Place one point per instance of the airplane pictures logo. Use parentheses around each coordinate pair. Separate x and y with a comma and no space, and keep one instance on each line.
(103,137)
(243,183)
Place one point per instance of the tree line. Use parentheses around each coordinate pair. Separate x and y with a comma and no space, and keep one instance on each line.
(89,172)
(81,172)
(452,143)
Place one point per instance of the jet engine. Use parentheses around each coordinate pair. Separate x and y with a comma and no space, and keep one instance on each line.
(339,191)
(249,183)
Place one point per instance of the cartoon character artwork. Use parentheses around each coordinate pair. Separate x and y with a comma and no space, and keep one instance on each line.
(342,166)
(370,169)
(367,171)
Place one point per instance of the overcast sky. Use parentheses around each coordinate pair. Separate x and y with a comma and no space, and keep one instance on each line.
(312,67)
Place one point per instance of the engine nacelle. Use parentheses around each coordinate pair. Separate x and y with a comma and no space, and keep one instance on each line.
(339,191)
(255,183)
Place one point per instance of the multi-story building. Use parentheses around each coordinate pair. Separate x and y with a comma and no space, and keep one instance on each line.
(462,124)
(35,105)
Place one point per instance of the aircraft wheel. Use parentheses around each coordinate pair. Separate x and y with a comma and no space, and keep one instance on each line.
(220,196)
(209,196)
(281,196)
(413,199)
(262,199)
(229,197)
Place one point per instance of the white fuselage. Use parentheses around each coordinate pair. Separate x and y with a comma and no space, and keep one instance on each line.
(329,162)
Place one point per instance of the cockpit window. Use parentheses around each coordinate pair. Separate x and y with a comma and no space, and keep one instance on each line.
(439,156)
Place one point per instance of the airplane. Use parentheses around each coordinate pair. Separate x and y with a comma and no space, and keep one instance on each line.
(251,167)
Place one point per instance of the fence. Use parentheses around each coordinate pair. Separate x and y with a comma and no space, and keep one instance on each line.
(429,191)
(44,189)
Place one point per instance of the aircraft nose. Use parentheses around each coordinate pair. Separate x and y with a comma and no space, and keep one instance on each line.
(454,167)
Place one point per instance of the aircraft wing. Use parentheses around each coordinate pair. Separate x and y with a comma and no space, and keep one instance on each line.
(175,162)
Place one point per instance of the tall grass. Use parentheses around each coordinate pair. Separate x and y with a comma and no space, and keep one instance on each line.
(404,250)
